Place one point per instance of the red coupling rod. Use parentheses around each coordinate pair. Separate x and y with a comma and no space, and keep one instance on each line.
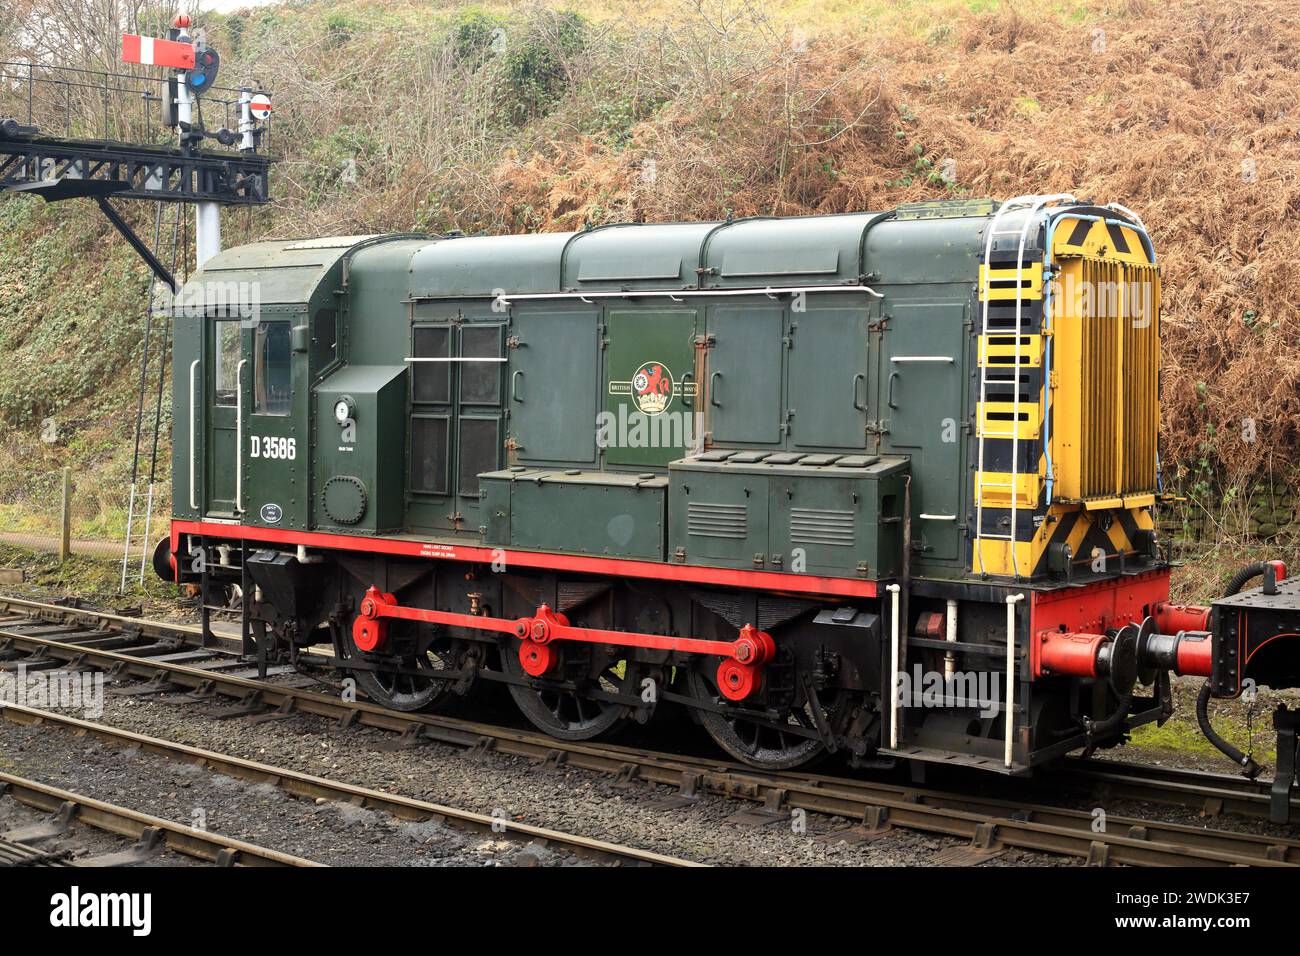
(738,676)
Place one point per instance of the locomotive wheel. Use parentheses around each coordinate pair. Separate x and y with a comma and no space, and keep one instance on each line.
(567,714)
(754,743)
(410,648)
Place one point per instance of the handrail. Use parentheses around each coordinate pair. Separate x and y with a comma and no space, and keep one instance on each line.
(677,295)
(194,411)
(1031,205)
(239,436)
(1012,601)
(893,590)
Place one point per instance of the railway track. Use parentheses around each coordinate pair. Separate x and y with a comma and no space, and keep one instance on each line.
(148,651)
(308,786)
(1211,794)
(152,835)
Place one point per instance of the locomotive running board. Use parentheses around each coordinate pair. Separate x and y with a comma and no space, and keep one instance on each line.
(452,550)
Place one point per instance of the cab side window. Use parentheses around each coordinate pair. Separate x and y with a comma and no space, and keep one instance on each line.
(272,356)
(226,365)
(324,339)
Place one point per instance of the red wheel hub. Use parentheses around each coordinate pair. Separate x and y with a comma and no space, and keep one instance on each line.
(536,659)
(741,676)
(369,635)
(370,630)
(737,681)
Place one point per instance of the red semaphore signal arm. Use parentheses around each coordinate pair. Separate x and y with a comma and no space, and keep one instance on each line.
(148,51)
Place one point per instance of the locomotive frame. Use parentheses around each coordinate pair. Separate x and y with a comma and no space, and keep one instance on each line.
(907,442)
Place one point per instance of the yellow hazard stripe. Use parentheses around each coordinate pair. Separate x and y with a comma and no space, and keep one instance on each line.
(1000,282)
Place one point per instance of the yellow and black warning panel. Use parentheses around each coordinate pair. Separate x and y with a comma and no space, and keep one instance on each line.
(1069,407)
(1105,306)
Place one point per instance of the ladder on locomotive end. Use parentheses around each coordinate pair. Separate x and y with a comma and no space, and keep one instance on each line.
(1030,207)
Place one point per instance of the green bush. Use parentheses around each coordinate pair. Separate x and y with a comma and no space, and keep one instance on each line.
(473,33)
(534,67)
(341,26)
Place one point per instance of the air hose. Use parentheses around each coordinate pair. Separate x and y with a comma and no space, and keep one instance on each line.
(1246,763)
(1252,570)
(1100,728)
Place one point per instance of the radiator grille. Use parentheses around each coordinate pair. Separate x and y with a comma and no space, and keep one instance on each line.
(709,520)
(1120,358)
(1141,387)
(821,526)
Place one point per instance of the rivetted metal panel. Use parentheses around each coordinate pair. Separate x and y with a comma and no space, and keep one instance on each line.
(584,512)
(817,513)
(286,272)
(554,385)
(926,251)
(482,265)
(657,256)
(808,250)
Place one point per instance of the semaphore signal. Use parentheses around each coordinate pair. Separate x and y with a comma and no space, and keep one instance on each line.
(148,51)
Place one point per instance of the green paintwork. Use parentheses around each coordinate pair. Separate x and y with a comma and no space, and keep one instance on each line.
(796,374)
(586,512)
(378,393)
(291,282)
(623,255)
(925,403)
(819,513)
(828,357)
(554,384)
(463,397)
(800,251)
(481,265)
(743,387)
(650,387)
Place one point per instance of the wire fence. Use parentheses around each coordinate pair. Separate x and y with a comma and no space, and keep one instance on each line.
(93,104)
(65,514)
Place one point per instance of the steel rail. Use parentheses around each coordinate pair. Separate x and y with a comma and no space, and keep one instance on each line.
(1209,792)
(123,821)
(78,615)
(981,819)
(299,784)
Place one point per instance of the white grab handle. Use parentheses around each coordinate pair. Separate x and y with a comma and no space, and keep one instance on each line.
(239,436)
(893,590)
(194,411)
(1012,601)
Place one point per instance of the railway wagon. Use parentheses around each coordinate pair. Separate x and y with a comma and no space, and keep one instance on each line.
(880,485)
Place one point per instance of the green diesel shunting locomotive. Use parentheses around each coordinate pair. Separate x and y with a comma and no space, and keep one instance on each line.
(826,481)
